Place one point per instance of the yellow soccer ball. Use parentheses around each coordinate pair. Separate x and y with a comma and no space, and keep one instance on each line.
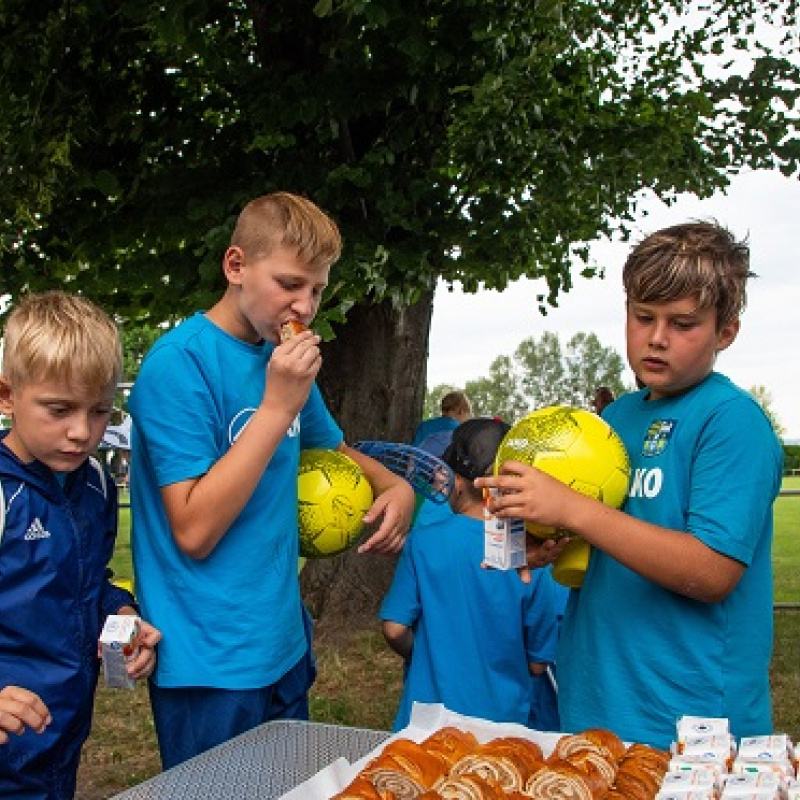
(333,494)
(575,446)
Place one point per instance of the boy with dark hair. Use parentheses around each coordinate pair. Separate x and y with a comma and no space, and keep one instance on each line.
(221,410)
(675,613)
(58,524)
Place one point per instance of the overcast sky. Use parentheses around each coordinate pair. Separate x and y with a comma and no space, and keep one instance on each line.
(470,331)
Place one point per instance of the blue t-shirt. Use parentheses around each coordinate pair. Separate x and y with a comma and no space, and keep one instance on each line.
(475,630)
(232,620)
(634,656)
(431,426)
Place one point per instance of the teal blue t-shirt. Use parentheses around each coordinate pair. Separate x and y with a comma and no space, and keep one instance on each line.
(475,630)
(232,620)
(633,656)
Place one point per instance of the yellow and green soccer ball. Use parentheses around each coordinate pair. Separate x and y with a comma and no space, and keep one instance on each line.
(576,447)
(333,494)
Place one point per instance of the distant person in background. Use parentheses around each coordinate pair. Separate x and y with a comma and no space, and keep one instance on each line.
(433,435)
(472,638)
(602,398)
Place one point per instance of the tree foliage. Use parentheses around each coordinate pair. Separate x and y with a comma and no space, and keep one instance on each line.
(763,397)
(541,373)
(477,141)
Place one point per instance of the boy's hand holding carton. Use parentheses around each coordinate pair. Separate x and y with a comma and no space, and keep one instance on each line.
(127,648)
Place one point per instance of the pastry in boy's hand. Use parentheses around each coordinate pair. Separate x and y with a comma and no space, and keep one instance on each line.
(291,328)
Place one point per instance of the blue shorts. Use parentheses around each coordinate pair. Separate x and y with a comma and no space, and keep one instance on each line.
(192,720)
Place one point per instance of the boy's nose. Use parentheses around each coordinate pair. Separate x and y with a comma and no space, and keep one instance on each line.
(79,428)
(304,304)
(658,335)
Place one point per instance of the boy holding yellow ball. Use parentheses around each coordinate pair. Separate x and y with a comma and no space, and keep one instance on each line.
(675,612)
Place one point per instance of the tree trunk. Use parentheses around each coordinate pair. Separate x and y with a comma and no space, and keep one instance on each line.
(373,379)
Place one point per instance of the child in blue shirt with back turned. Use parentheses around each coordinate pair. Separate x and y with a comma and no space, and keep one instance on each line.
(476,640)
(675,613)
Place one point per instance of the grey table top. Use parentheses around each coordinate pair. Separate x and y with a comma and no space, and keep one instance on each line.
(264,763)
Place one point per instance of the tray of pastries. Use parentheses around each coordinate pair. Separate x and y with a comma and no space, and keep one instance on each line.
(446,756)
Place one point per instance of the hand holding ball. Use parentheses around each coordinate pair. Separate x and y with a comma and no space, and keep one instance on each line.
(333,494)
(577,448)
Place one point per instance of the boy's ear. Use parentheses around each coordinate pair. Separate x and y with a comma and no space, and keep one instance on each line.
(727,334)
(6,406)
(233,264)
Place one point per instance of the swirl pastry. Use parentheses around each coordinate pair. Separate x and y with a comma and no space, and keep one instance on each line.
(600,772)
(450,744)
(360,788)
(608,740)
(574,743)
(405,769)
(505,762)
(559,781)
(470,787)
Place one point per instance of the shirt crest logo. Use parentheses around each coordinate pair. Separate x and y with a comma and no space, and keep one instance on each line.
(658,436)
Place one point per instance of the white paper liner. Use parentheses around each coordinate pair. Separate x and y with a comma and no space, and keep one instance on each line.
(425,719)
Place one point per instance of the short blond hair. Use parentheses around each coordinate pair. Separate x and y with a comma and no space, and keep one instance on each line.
(697,259)
(62,336)
(292,221)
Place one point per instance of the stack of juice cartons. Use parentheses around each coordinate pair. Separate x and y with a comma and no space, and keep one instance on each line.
(702,755)
(763,762)
(707,764)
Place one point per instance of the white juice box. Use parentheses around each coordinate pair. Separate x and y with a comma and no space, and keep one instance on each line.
(504,539)
(119,644)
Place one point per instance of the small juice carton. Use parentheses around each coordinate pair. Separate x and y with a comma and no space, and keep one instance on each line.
(747,784)
(689,727)
(504,539)
(119,644)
